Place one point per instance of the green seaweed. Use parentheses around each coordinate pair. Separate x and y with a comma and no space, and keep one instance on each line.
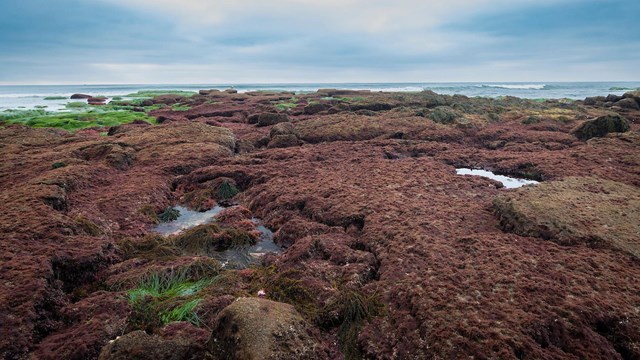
(74,120)
(161,298)
(180,107)
(153,93)
(55,98)
(169,214)
(226,191)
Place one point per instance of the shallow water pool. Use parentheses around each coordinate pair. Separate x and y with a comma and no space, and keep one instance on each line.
(236,258)
(508,182)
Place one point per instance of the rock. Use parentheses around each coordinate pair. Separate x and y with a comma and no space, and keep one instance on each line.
(254,328)
(267,119)
(336,92)
(147,102)
(80,96)
(595,100)
(315,108)
(628,103)
(231,91)
(576,210)
(96,101)
(613,98)
(283,141)
(601,127)
(139,345)
(285,128)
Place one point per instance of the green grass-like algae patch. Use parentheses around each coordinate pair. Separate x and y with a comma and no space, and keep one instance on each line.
(72,121)
(152,93)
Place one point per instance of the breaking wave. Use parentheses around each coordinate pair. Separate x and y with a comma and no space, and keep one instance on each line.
(516,86)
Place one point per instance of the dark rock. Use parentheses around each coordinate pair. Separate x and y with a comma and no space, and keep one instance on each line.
(338,109)
(267,119)
(335,92)
(613,98)
(253,328)
(96,101)
(594,100)
(231,91)
(282,141)
(147,102)
(315,108)
(601,127)
(80,96)
(628,103)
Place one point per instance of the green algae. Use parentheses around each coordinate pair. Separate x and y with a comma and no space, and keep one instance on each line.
(72,121)
(153,93)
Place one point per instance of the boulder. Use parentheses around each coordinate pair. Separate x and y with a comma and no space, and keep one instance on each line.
(285,128)
(601,127)
(595,100)
(282,141)
(96,100)
(80,96)
(576,210)
(255,328)
(613,98)
(628,103)
(315,108)
(267,119)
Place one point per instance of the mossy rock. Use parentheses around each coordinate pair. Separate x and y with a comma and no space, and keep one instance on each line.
(601,127)
(253,328)
(444,115)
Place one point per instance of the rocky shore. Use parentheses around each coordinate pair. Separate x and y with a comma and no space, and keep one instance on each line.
(384,251)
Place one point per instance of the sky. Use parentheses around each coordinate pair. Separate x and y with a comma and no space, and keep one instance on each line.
(298,41)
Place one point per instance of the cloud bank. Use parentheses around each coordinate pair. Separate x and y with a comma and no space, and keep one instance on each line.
(225,41)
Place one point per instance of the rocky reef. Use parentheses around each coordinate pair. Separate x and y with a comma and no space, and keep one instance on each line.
(385,252)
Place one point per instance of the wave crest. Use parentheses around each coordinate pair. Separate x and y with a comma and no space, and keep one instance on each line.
(516,86)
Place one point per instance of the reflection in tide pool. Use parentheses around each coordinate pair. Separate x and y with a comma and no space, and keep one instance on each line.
(508,182)
(187,220)
(236,258)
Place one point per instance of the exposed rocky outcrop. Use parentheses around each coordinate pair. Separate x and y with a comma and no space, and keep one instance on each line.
(255,329)
(584,210)
(601,127)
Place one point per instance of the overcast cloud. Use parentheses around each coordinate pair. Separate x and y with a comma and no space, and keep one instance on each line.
(204,41)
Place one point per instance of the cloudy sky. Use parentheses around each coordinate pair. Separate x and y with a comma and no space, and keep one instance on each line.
(233,41)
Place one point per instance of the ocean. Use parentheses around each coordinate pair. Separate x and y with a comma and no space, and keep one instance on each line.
(32,96)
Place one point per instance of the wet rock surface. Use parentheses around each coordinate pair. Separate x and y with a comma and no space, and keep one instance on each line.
(387,252)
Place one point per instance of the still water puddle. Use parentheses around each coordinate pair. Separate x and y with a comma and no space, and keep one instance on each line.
(508,182)
(236,258)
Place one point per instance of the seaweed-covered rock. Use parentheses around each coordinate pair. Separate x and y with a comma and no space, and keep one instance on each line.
(313,109)
(267,119)
(628,103)
(140,345)
(601,127)
(285,128)
(283,141)
(444,115)
(574,211)
(253,328)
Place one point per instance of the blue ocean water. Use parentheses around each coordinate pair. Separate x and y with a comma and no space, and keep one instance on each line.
(31,96)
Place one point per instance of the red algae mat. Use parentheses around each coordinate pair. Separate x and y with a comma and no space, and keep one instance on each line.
(387,253)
